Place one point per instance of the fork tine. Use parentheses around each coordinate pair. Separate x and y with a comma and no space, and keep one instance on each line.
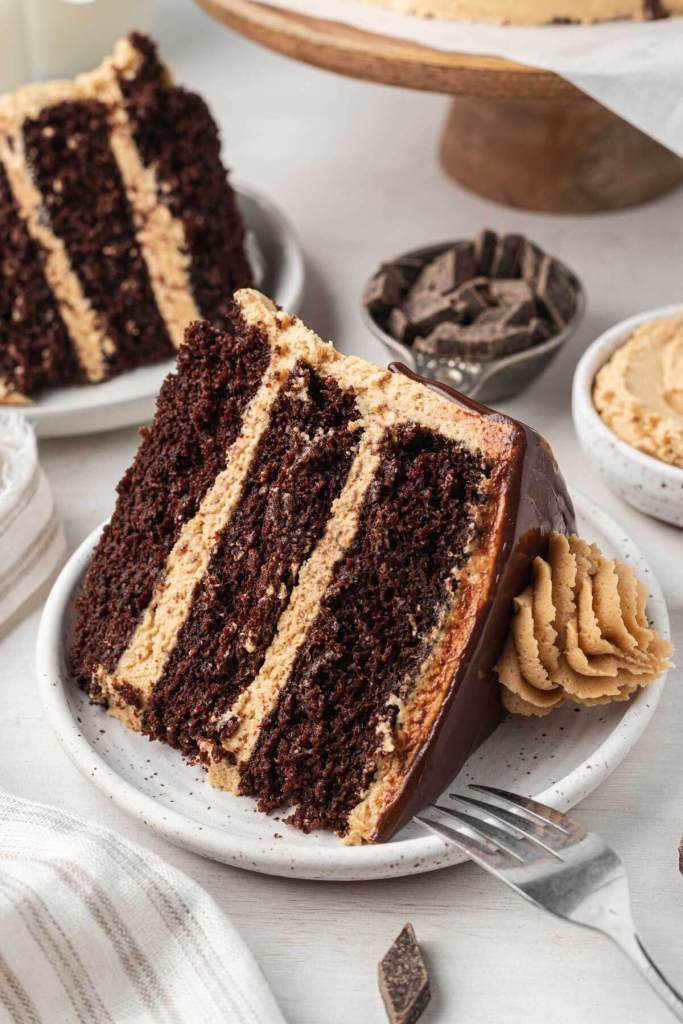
(523,850)
(479,849)
(547,836)
(548,815)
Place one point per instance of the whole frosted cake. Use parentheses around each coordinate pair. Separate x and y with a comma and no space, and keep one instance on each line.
(309,574)
(535,12)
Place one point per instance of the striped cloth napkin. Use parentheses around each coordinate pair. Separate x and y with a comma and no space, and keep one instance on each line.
(95,930)
(31,539)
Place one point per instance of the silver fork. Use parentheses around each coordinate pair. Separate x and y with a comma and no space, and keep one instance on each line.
(551,860)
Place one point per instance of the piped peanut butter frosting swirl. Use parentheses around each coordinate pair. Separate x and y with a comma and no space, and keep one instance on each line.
(579,632)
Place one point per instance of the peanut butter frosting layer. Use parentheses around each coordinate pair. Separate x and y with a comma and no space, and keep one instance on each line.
(579,632)
(639,390)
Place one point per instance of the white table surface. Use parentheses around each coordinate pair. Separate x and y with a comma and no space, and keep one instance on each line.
(354,166)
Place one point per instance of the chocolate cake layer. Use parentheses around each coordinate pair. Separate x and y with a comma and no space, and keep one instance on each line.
(357,665)
(300,467)
(177,136)
(199,412)
(35,350)
(69,153)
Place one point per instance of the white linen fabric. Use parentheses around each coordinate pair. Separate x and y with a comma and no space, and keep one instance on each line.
(632,67)
(95,930)
(31,538)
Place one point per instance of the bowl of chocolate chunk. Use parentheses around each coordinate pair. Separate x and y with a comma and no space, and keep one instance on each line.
(486,315)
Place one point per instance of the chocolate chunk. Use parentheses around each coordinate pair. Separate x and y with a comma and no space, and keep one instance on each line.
(556,291)
(425,310)
(479,342)
(540,330)
(512,315)
(444,340)
(408,269)
(484,251)
(475,296)
(532,257)
(461,313)
(449,270)
(383,291)
(507,291)
(404,980)
(507,257)
(398,324)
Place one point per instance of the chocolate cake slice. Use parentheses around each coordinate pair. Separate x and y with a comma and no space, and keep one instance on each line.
(309,573)
(119,226)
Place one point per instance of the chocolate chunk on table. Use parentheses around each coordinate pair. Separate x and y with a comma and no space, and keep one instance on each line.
(556,292)
(383,292)
(403,979)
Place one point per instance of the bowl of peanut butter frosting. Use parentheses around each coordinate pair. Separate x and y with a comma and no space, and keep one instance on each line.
(627,405)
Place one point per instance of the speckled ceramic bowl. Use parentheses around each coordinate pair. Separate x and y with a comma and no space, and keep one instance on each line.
(490,381)
(650,485)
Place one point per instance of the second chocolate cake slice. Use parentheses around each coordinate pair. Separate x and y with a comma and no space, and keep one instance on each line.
(308,576)
(118,224)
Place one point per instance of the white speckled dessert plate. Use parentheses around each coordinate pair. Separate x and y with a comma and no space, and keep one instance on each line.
(559,759)
(128,400)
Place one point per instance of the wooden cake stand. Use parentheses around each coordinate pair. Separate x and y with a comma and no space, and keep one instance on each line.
(515,134)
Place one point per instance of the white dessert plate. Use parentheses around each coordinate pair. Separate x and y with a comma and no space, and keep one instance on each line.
(559,759)
(128,400)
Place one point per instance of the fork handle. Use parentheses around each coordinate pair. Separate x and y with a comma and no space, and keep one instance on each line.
(635,950)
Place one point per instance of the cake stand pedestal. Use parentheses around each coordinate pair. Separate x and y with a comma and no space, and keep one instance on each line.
(515,134)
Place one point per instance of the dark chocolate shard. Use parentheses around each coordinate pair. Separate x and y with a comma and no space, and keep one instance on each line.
(449,270)
(398,324)
(408,268)
(532,257)
(425,310)
(475,296)
(444,340)
(680,856)
(508,291)
(540,330)
(514,315)
(404,979)
(556,292)
(484,250)
(508,256)
(383,292)
(478,342)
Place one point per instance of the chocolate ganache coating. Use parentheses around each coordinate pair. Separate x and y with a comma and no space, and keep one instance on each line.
(537,504)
